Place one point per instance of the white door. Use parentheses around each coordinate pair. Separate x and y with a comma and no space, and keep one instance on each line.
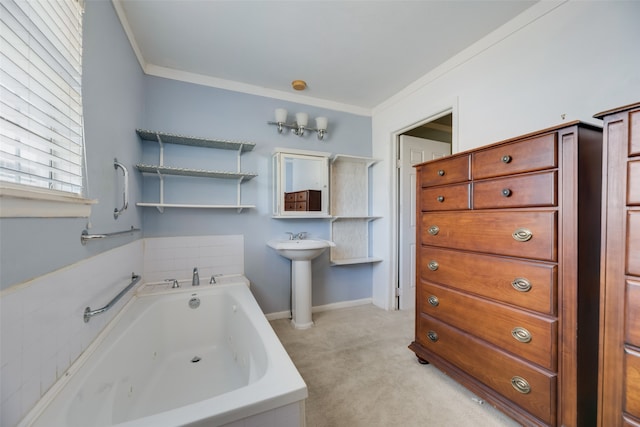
(412,151)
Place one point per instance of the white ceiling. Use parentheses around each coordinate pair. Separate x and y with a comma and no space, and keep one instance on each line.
(355,53)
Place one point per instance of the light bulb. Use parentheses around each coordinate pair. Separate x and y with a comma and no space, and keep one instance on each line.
(302,119)
(321,123)
(281,115)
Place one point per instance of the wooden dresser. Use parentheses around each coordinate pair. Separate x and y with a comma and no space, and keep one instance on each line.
(305,200)
(508,272)
(619,382)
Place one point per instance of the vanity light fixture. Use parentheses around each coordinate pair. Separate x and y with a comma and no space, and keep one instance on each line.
(301,124)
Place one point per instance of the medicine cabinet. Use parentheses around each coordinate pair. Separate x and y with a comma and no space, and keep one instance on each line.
(301,184)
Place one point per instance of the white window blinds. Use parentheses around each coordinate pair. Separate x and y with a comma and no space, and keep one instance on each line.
(41,141)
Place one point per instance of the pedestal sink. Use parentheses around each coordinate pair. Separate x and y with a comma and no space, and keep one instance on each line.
(300,252)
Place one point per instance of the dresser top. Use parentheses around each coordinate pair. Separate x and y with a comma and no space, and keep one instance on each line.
(573,123)
(617,110)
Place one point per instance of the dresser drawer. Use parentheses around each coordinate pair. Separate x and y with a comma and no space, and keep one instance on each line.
(492,367)
(523,156)
(529,285)
(632,323)
(527,234)
(444,171)
(632,382)
(633,243)
(526,335)
(444,198)
(633,183)
(516,191)
(289,197)
(634,133)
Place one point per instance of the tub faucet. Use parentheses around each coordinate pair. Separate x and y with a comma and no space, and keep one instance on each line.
(195,281)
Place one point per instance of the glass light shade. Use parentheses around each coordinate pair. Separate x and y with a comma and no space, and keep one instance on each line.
(281,115)
(321,123)
(302,119)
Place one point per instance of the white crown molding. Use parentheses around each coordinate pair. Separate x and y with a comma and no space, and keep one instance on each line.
(169,73)
(524,19)
(117,5)
(234,86)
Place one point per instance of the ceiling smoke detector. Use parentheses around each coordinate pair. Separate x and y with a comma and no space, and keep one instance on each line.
(299,84)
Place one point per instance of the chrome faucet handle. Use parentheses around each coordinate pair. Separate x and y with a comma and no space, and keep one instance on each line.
(212,281)
(301,235)
(174,283)
(291,235)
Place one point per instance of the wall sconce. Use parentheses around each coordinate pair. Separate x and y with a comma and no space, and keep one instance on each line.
(300,125)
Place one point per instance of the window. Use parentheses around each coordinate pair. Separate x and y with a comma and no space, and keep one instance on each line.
(41,135)
(41,102)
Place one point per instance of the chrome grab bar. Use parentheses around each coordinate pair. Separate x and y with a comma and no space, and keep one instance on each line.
(117,212)
(85,236)
(88,313)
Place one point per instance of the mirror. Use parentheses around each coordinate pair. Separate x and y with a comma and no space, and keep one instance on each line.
(301,184)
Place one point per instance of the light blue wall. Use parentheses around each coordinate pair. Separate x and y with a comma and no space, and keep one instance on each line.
(189,109)
(118,98)
(112,96)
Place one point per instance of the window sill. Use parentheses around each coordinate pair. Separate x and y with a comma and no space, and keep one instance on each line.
(20,201)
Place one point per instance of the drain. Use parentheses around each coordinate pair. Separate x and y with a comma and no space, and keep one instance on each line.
(194,302)
(195,359)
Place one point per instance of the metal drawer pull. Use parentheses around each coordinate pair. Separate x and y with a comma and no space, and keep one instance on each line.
(506,159)
(522,235)
(506,192)
(434,229)
(441,199)
(521,385)
(433,337)
(433,300)
(521,284)
(433,265)
(521,334)
(441,172)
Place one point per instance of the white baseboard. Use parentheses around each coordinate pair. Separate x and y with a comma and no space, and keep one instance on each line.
(320,308)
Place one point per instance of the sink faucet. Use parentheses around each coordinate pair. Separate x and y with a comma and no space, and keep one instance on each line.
(299,236)
(195,281)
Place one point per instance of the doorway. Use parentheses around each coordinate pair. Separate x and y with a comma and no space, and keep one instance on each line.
(427,141)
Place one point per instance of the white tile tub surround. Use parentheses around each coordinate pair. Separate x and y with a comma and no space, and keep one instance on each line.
(42,330)
(175,257)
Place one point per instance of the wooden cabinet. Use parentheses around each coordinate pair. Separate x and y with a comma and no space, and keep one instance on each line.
(619,363)
(508,272)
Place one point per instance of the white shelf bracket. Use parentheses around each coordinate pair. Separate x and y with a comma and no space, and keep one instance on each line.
(239,169)
(239,192)
(161,177)
(161,150)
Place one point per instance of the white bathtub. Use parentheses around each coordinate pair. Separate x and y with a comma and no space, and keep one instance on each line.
(162,363)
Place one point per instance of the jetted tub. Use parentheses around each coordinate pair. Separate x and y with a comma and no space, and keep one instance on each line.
(202,356)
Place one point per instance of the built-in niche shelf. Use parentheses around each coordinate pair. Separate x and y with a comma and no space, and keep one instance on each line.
(160,170)
(350,211)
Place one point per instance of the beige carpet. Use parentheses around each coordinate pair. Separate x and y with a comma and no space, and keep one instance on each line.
(359,372)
